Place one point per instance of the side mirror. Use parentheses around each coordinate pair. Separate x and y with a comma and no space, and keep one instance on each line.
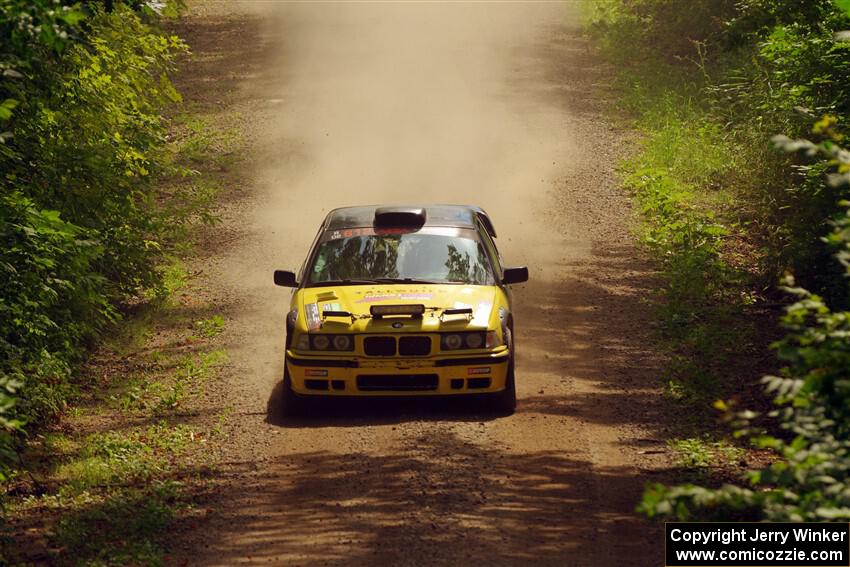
(515,275)
(285,278)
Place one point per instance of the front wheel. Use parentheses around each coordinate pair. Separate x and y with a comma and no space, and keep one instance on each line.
(504,402)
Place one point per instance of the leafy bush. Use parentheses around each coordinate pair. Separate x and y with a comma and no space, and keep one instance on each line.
(81,144)
(748,69)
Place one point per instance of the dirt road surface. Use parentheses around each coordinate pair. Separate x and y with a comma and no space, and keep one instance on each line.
(491,104)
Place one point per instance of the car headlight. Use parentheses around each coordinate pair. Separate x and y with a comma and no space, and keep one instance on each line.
(303,342)
(474,340)
(325,342)
(452,342)
(342,342)
(468,340)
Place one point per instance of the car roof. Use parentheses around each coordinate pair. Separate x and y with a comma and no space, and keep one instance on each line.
(456,216)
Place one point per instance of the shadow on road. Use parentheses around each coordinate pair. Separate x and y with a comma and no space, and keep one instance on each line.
(357,412)
(446,499)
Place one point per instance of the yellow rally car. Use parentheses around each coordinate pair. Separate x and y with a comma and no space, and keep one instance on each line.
(401,301)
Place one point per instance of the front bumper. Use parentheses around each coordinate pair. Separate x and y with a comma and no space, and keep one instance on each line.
(361,376)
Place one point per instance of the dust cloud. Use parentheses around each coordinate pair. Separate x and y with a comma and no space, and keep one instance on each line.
(411,102)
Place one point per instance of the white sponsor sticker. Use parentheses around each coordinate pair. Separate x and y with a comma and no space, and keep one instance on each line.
(482,314)
(311,312)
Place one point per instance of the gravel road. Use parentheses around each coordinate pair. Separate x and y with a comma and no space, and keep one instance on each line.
(495,104)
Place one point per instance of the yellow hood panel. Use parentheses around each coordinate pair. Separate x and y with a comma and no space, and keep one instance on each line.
(357,299)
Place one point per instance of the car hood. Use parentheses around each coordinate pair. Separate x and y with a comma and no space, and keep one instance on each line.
(357,300)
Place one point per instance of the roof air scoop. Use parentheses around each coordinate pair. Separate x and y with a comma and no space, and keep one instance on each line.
(399,217)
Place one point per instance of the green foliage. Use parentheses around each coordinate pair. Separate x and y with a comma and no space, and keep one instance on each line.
(123,528)
(723,213)
(696,453)
(82,88)
(187,377)
(114,458)
(112,496)
(656,25)
(211,327)
(810,480)
(677,179)
(743,70)
(116,501)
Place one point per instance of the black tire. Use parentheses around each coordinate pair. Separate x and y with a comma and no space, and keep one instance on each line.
(504,402)
(291,404)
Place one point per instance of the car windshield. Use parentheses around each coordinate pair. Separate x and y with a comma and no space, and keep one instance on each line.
(429,255)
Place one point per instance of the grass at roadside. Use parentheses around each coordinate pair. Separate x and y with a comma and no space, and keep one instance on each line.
(703,453)
(688,179)
(682,178)
(106,485)
(111,496)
